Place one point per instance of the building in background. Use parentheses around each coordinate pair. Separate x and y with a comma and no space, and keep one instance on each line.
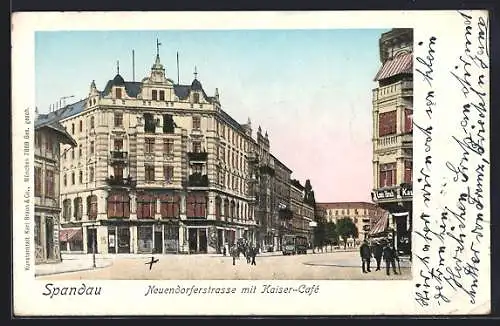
(302,212)
(49,135)
(392,135)
(160,167)
(364,216)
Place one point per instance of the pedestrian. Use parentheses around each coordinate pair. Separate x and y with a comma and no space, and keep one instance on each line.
(253,253)
(248,253)
(224,250)
(389,255)
(365,253)
(234,253)
(377,253)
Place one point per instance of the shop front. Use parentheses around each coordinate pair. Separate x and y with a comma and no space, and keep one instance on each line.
(71,240)
(119,239)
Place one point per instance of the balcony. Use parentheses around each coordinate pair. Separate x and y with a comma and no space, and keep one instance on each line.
(120,182)
(118,157)
(399,89)
(393,141)
(197,180)
(267,169)
(197,156)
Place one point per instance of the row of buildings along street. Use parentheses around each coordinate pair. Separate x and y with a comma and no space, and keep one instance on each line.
(154,166)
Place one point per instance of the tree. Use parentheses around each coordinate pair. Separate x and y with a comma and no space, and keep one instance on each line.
(346,228)
(331,235)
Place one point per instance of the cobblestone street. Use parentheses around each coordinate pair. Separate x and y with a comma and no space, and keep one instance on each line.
(323,266)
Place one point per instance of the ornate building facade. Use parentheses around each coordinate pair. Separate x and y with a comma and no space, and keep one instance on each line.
(49,135)
(161,168)
(364,215)
(392,134)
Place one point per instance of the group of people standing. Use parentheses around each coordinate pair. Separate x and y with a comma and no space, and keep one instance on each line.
(379,250)
(248,251)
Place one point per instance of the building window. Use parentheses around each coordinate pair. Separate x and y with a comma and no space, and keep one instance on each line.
(149,123)
(387,175)
(149,145)
(81,125)
(154,95)
(118,144)
(118,172)
(196,146)
(38,181)
(196,122)
(78,208)
(218,208)
(73,178)
(168,173)
(150,173)
(408,172)
(80,177)
(168,146)
(168,124)
(387,123)
(38,232)
(118,117)
(223,130)
(196,97)
(72,153)
(408,120)
(162,95)
(91,122)
(72,128)
(80,151)
(91,174)
(92,207)
(196,206)
(65,180)
(92,147)
(67,209)
(48,145)
(118,206)
(169,206)
(146,206)
(118,92)
(49,184)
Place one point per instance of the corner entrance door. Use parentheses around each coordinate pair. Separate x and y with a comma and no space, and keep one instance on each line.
(91,240)
(123,240)
(158,243)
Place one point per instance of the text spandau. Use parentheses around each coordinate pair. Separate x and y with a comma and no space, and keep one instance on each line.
(451,219)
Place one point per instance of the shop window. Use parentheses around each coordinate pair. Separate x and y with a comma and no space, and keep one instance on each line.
(169,206)
(118,206)
(387,123)
(145,238)
(38,233)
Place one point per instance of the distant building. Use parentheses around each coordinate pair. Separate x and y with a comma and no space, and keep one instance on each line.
(363,214)
(302,212)
(49,134)
(392,135)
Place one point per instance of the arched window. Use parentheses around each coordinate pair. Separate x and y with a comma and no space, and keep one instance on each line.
(78,205)
(92,207)
(226,208)
(169,206)
(67,209)
(118,205)
(233,207)
(146,206)
(196,206)
(218,208)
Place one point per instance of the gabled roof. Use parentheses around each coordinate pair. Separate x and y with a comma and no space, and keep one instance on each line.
(132,88)
(51,121)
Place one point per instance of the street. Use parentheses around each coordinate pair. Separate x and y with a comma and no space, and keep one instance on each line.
(341,265)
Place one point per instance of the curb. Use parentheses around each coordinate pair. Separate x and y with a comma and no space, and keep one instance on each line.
(74,270)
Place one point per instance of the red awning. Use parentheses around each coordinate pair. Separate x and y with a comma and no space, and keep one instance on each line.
(380,226)
(70,234)
(398,65)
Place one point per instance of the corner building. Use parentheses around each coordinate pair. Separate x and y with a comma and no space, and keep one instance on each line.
(392,136)
(160,168)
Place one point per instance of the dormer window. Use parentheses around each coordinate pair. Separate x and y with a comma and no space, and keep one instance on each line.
(196,97)
(118,93)
(162,95)
(154,95)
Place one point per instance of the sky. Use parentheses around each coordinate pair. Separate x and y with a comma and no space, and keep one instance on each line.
(311,90)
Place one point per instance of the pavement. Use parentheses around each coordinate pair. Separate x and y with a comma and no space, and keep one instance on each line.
(337,265)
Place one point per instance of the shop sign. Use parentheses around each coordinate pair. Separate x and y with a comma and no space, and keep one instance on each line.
(406,191)
(385,194)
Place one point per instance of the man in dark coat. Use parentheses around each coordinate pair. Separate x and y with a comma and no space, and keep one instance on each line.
(365,252)
(389,255)
(235,253)
(253,253)
(377,253)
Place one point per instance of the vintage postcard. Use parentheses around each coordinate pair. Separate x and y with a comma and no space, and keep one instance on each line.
(251,163)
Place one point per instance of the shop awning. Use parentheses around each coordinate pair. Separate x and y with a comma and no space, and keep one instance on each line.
(398,65)
(70,235)
(380,226)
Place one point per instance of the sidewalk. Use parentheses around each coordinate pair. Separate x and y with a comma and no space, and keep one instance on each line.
(72,263)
